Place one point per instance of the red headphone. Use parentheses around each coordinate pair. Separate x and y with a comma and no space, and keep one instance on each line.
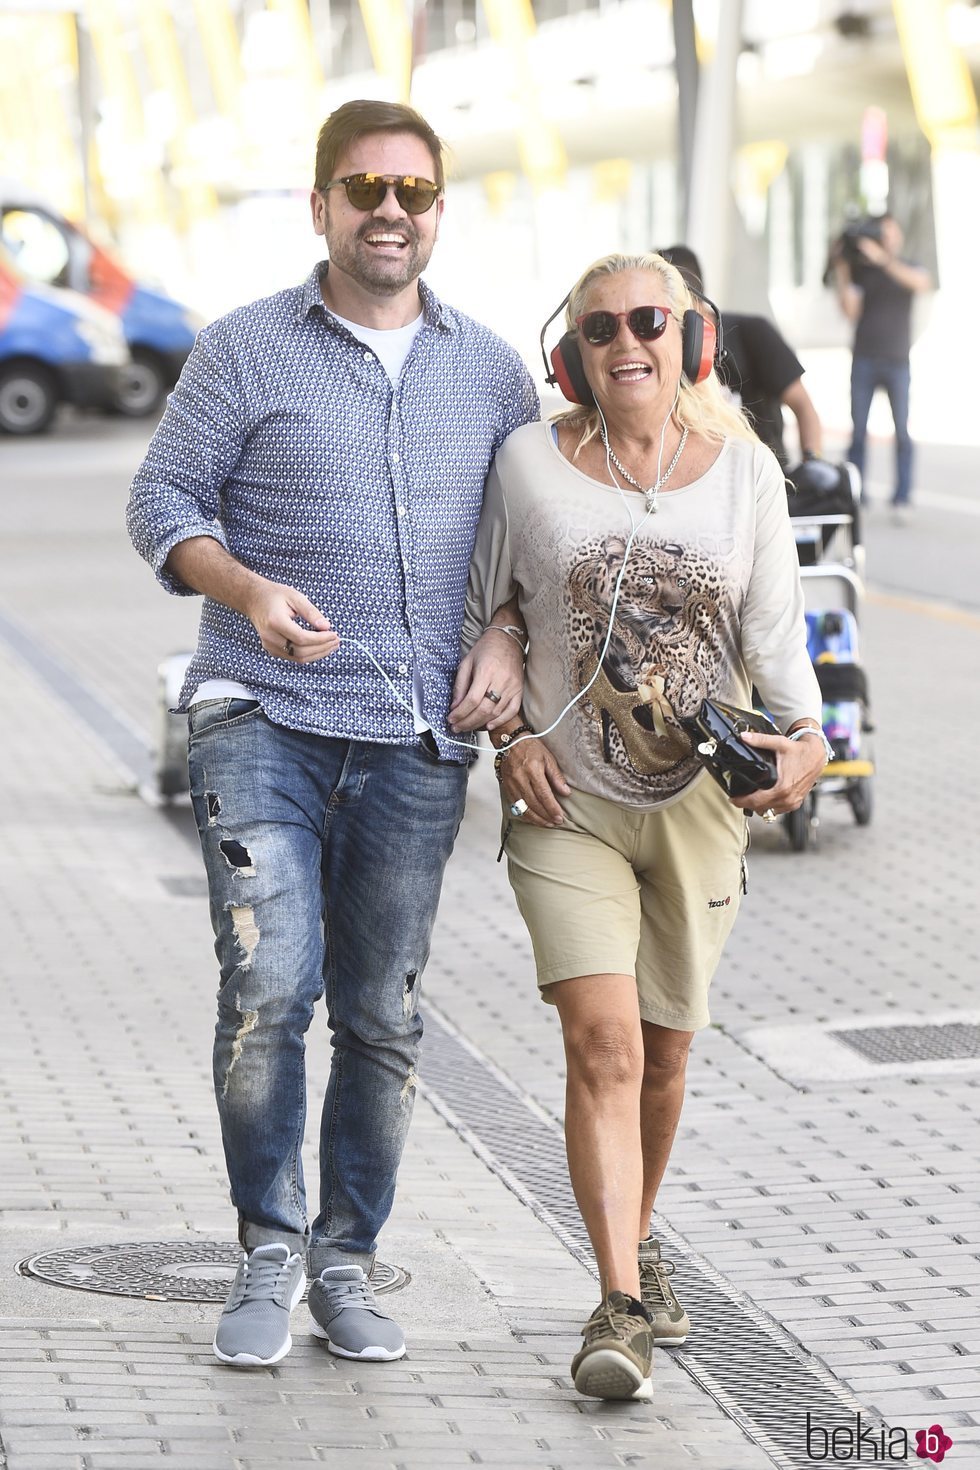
(703,349)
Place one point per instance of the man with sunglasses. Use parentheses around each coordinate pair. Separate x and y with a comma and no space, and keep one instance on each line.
(318,476)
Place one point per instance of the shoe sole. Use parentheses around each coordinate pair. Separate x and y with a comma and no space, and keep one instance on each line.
(606,1374)
(666,1339)
(367,1355)
(249,1360)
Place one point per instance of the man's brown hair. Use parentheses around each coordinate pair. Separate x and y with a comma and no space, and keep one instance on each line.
(356,120)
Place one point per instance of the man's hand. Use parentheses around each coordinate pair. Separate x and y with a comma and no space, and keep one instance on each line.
(272,608)
(873,251)
(495,664)
(912,277)
(276,613)
(798,764)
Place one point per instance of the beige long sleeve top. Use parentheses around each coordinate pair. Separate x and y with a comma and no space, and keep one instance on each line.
(710,603)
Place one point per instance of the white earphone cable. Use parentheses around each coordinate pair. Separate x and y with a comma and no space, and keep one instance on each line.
(635,528)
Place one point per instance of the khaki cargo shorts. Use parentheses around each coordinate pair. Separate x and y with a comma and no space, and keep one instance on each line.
(649,894)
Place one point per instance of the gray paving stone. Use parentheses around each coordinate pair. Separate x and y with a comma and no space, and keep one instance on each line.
(199,1460)
(46,1460)
(70,1418)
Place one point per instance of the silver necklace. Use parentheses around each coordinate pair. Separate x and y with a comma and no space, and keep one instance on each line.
(652,491)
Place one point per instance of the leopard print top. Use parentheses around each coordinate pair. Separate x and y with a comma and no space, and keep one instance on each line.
(709,603)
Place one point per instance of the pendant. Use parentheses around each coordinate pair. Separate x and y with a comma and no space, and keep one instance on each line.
(651,500)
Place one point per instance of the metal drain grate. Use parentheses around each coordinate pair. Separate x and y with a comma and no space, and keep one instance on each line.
(957,1041)
(162,1270)
(760,1376)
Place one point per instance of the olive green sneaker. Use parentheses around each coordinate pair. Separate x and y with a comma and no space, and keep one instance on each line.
(616,1359)
(671,1324)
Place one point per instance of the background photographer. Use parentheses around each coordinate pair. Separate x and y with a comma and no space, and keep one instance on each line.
(875,288)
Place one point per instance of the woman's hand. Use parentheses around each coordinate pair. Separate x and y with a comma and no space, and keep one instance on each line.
(529,772)
(798,764)
(495,664)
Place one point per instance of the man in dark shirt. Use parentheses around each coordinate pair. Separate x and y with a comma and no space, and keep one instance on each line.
(877,296)
(760,370)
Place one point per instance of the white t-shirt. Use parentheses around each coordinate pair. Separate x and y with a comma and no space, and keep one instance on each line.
(390,347)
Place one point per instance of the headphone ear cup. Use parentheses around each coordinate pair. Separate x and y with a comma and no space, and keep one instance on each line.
(700,339)
(566,360)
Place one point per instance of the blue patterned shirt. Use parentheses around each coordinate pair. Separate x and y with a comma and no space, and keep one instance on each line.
(287,442)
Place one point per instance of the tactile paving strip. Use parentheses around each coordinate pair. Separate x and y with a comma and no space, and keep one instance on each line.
(763,1379)
(162,1270)
(954,1042)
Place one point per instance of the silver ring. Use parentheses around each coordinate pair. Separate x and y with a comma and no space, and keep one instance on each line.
(492,695)
(769,815)
(519,807)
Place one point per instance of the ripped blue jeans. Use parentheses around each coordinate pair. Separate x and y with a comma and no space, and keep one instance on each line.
(324,860)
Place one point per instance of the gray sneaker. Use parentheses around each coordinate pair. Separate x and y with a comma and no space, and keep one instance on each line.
(348,1318)
(671,1324)
(253,1331)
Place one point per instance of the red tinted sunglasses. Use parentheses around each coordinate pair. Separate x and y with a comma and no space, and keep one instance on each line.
(647,323)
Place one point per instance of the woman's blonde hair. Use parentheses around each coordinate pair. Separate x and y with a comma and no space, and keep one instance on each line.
(703,407)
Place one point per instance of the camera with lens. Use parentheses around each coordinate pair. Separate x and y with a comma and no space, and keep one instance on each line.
(847,248)
(862,229)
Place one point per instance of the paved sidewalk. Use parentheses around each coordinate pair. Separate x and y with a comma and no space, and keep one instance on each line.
(835,1195)
(109,1135)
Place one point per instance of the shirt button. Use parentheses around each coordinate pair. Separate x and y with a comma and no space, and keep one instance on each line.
(395,457)
(400,509)
(368,356)
(403,668)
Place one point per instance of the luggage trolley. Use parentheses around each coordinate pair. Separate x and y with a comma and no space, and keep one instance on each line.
(825,510)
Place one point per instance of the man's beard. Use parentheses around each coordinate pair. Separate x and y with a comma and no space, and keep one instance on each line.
(382,275)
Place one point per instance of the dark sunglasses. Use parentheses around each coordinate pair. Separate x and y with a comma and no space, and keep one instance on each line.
(647,323)
(366,191)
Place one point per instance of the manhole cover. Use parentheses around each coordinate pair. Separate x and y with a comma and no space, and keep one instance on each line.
(162,1270)
(954,1042)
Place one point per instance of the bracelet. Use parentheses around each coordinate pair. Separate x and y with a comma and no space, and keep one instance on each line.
(828,749)
(518,634)
(506,740)
(509,736)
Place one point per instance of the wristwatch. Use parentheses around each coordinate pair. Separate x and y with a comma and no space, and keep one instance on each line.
(828,749)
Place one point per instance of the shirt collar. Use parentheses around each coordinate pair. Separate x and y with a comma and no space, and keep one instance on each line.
(435,312)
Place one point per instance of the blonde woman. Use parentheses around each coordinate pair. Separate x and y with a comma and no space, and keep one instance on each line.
(646,535)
